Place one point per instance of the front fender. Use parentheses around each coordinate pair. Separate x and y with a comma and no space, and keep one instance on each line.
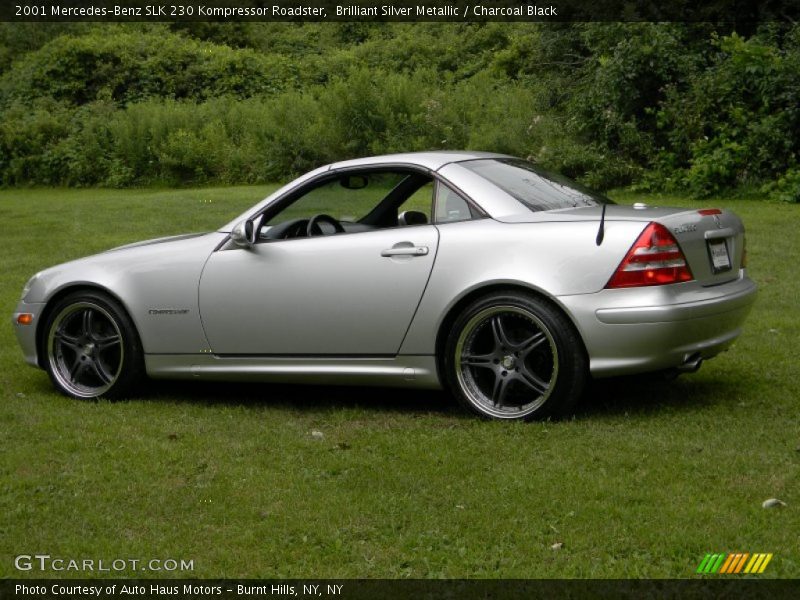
(157,285)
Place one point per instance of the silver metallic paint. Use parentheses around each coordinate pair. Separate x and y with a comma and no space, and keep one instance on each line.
(397,371)
(247,299)
(651,328)
(552,259)
(155,275)
(26,334)
(321,295)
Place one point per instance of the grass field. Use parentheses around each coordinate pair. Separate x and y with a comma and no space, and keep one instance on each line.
(646,479)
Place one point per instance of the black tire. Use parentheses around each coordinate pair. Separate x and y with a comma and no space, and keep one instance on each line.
(514,356)
(91,347)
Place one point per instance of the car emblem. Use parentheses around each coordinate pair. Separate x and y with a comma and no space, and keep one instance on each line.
(684,228)
(717,221)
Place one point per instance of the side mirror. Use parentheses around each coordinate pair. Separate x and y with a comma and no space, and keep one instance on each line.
(412,217)
(353,182)
(245,233)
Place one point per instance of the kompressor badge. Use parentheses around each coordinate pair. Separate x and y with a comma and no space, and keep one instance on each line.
(685,228)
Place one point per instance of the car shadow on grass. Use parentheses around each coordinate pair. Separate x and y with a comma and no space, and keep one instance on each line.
(312,398)
(654,393)
(603,397)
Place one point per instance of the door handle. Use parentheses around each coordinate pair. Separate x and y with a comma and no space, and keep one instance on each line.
(405,250)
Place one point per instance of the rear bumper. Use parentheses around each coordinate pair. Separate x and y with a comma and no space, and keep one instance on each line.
(647,329)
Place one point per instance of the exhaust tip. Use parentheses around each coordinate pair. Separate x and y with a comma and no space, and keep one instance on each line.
(691,364)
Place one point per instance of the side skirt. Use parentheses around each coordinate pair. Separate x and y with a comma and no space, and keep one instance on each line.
(398,371)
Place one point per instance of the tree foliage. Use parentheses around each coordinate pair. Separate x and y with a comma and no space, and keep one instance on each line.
(698,107)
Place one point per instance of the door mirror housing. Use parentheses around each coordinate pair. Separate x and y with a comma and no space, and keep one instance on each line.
(245,233)
(412,217)
(353,182)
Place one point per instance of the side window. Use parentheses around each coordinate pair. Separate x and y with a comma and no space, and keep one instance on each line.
(353,202)
(451,206)
(348,198)
(416,210)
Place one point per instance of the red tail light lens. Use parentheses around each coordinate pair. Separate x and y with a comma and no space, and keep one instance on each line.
(654,259)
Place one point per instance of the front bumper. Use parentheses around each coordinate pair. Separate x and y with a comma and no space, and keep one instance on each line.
(26,334)
(648,329)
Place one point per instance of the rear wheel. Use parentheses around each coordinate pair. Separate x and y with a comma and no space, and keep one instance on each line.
(92,347)
(513,356)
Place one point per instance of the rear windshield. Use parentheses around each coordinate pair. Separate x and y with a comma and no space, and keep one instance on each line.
(533,186)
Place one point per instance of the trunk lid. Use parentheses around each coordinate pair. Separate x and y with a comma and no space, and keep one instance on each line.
(712,241)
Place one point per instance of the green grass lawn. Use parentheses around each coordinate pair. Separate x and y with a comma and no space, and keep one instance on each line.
(648,477)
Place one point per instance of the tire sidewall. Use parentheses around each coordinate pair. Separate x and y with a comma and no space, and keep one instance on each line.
(132,367)
(572,363)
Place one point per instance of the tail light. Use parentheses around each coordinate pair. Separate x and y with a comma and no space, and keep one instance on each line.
(654,259)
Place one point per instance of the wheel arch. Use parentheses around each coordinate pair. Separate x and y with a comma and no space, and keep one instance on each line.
(41,357)
(457,308)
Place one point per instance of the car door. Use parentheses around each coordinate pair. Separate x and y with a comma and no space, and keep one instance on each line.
(344,294)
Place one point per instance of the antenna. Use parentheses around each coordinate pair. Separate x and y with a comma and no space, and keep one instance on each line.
(601,232)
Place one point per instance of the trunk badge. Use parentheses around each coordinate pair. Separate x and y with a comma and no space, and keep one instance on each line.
(685,228)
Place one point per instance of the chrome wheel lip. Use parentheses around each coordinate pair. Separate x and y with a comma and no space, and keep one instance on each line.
(480,400)
(58,367)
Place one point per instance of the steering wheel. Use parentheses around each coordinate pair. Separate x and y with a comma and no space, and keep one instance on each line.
(313,227)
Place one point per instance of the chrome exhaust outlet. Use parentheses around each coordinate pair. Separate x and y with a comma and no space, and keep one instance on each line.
(691,364)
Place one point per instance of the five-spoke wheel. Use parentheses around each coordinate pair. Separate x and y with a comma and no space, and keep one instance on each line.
(515,357)
(92,347)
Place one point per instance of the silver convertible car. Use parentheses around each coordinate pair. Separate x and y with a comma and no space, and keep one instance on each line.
(480,273)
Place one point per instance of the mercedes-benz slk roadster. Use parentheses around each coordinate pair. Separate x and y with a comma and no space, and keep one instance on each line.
(480,273)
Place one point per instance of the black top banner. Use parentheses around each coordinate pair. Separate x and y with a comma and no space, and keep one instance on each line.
(738,11)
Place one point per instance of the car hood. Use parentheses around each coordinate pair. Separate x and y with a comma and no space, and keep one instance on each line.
(161,240)
(106,269)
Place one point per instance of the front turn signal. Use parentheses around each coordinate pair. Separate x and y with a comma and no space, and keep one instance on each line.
(25,319)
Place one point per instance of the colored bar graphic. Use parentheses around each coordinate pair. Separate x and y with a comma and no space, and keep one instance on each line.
(717,563)
(765,563)
(752,563)
(703,568)
(740,564)
(728,563)
(732,564)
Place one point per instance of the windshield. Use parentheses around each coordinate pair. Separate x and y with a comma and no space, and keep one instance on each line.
(533,186)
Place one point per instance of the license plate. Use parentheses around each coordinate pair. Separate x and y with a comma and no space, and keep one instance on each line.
(718,251)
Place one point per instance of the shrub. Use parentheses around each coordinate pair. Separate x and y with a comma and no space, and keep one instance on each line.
(130,67)
(697,107)
(786,188)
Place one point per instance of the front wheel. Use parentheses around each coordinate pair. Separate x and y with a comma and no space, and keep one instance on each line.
(92,347)
(513,356)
